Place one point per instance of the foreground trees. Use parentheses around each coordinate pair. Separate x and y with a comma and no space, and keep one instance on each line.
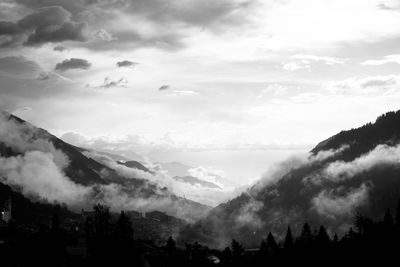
(108,240)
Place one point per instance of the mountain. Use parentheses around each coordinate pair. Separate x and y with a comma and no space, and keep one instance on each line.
(134,164)
(357,170)
(42,166)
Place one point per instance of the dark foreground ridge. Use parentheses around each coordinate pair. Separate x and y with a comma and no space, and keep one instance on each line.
(99,238)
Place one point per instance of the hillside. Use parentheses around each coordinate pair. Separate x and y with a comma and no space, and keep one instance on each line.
(354,171)
(41,166)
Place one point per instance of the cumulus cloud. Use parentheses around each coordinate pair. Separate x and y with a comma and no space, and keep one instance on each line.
(333,204)
(73,63)
(126,63)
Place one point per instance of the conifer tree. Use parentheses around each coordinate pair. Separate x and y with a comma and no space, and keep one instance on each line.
(288,244)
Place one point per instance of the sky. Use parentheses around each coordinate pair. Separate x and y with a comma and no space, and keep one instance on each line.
(232,85)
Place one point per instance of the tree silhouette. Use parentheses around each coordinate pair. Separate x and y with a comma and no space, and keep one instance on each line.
(323,239)
(288,243)
(306,236)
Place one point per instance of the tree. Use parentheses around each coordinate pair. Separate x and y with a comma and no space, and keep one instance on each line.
(288,244)
(306,235)
(237,248)
(101,219)
(335,239)
(398,215)
(171,245)
(388,220)
(123,230)
(323,237)
(271,244)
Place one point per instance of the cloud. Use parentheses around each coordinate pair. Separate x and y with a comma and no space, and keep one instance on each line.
(164,87)
(278,170)
(59,48)
(47,24)
(37,171)
(108,83)
(73,63)
(305,62)
(52,24)
(162,179)
(373,85)
(248,214)
(19,66)
(180,92)
(384,60)
(380,156)
(190,12)
(126,63)
(333,203)
(337,171)
(9,28)
(104,35)
(38,167)
(38,175)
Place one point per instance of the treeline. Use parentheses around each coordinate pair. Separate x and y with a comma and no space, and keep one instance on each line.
(105,241)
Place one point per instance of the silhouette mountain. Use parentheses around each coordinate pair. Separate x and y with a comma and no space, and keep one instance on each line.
(353,171)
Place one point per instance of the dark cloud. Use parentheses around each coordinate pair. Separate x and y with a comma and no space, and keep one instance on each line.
(9,28)
(189,12)
(164,87)
(10,33)
(59,48)
(52,24)
(126,63)
(47,24)
(73,63)
(62,20)
(73,6)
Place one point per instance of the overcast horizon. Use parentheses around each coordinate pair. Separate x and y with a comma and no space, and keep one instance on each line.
(233,86)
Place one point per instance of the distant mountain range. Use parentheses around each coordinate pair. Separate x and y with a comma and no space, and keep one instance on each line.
(353,171)
(182,172)
(88,172)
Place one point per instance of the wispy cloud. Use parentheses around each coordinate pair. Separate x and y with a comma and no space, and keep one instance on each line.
(382,61)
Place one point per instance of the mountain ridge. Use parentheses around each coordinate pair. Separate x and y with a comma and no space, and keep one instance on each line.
(353,171)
